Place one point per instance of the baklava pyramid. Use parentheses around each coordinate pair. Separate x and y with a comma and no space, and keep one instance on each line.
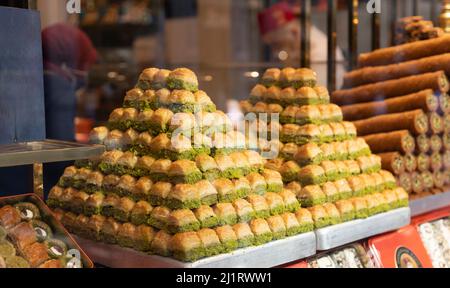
(332,172)
(176,179)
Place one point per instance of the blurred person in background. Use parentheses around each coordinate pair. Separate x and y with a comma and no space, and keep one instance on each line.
(68,54)
(281,31)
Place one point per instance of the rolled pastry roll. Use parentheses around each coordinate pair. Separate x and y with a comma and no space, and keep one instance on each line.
(410,162)
(257,93)
(436,122)
(427,178)
(182,79)
(183,196)
(417,183)
(446,140)
(159,217)
(405,181)
(159,171)
(331,192)
(270,77)
(227,237)
(439,179)
(98,135)
(319,216)
(141,213)
(436,143)
(141,190)
(125,164)
(401,141)
(423,162)
(444,104)
(311,195)
(208,193)
(307,96)
(93,204)
(392,162)
(109,160)
(436,162)
(261,230)
(423,143)
(210,242)
(286,76)
(146,78)
(446,158)
(312,174)
(159,192)
(161,244)
(187,247)
(305,220)
(415,121)
(182,220)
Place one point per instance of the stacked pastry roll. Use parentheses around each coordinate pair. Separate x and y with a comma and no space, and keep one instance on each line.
(398,101)
(331,170)
(176,179)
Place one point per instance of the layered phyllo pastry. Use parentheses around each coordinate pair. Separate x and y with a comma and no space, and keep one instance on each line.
(182,79)
(183,123)
(143,121)
(273,180)
(142,144)
(208,192)
(369,164)
(66,198)
(261,231)
(126,235)
(94,182)
(293,227)
(286,76)
(260,206)
(311,195)
(93,204)
(255,160)
(79,179)
(388,178)
(132,98)
(206,216)
(183,196)
(184,171)
(160,120)
(159,193)
(290,171)
(331,192)
(402,197)
(312,174)
(357,184)
(257,183)
(204,102)
(242,187)
(361,208)
(344,189)
(182,101)
(244,235)
(350,129)
(110,204)
(320,216)
(275,203)
(338,131)
(161,244)
(182,220)
(210,242)
(331,170)
(67,179)
(22,234)
(303,77)
(144,236)
(227,167)
(94,227)
(126,185)
(123,211)
(146,79)
(272,95)
(226,213)
(227,238)
(287,151)
(125,164)
(307,96)
(78,202)
(352,167)
(277,226)
(244,210)
(35,254)
(308,154)
(109,160)
(346,210)
(288,96)
(322,93)
(225,190)
(333,213)
(291,203)
(98,135)
(271,77)
(140,214)
(329,151)
(159,217)
(141,190)
(110,183)
(54,196)
(109,231)
(304,218)
(160,169)
(207,166)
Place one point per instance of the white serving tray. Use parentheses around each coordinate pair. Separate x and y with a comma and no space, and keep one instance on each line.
(348,232)
(429,203)
(265,256)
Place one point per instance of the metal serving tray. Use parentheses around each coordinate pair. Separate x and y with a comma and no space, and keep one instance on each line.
(429,203)
(46,151)
(265,256)
(348,232)
(59,232)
